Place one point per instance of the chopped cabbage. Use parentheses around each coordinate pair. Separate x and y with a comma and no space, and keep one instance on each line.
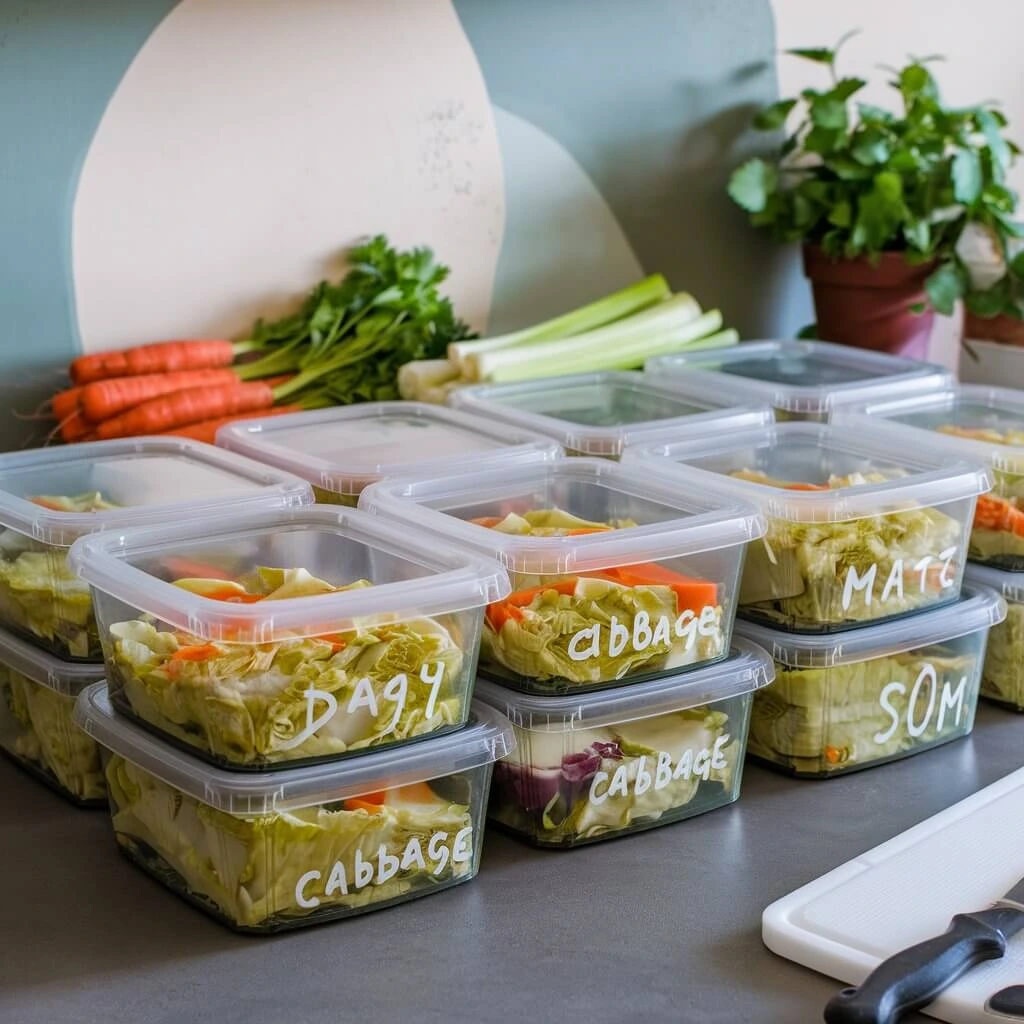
(565,788)
(821,721)
(1002,678)
(559,631)
(800,573)
(264,872)
(309,697)
(39,595)
(39,731)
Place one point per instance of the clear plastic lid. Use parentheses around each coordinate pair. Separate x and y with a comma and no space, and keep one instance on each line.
(66,677)
(669,523)
(412,574)
(146,479)
(486,738)
(800,377)
(972,420)
(1009,584)
(602,413)
(345,449)
(748,668)
(978,608)
(798,461)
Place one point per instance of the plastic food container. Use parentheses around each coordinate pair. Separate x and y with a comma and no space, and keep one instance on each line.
(801,380)
(37,729)
(601,413)
(264,853)
(877,695)
(859,529)
(616,577)
(340,451)
(608,764)
(1002,679)
(970,422)
(50,497)
(294,636)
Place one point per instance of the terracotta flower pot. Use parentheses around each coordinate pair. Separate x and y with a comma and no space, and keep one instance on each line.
(869,305)
(1004,329)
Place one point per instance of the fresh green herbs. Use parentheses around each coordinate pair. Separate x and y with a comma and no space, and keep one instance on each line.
(928,181)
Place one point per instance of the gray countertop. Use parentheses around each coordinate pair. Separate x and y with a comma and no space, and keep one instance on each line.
(661,926)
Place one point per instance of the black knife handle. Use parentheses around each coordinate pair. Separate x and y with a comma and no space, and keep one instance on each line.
(914,977)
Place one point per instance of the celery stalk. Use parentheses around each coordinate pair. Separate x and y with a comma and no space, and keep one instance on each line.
(580,355)
(623,303)
(421,375)
(677,314)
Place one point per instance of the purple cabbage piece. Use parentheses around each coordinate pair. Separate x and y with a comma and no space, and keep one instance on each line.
(532,789)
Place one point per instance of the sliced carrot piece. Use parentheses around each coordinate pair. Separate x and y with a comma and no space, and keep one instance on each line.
(367,802)
(691,594)
(584,530)
(189,568)
(195,652)
(489,521)
(807,487)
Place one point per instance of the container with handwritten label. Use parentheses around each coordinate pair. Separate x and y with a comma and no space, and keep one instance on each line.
(877,695)
(615,578)
(272,640)
(859,530)
(608,764)
(263,853)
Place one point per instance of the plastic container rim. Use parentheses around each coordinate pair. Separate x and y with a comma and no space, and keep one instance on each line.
(486,399)
(330,474)
(978,609)
(803,399)
(61,529)
(931,479)
(705,525)
(748,668)
(460,580)
(487,737)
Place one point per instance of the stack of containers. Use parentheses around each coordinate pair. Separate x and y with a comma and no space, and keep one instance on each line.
(985,424)
(288,728)
(601,414)
(613,655)
(49,642)
(855,589)
(800,380)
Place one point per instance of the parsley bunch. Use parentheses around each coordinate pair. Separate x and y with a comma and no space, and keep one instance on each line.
(348,341)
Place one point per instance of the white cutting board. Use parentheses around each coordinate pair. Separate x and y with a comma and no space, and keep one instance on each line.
(846,922)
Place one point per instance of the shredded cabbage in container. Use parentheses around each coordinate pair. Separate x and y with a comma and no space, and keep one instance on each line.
(1002,678)
(307,697)
(264,872)
(599,626)
(799,573)
(42,735)
(822,721)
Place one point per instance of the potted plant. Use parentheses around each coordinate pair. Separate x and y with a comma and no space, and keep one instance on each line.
(901,213)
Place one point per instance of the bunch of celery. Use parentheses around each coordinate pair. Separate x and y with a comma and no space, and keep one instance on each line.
(619,332)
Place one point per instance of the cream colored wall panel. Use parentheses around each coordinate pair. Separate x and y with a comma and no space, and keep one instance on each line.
(249,144)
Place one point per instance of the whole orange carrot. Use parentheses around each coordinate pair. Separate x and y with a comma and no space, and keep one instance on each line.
(162,357)
(181,408)
(105,398)
(207,429)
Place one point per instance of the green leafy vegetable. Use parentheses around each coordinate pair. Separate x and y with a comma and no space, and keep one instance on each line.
(859,181)
(1002,678)
(571,787)
(308,697)
(40,732)
(822,721)
(348,341)
(264,872)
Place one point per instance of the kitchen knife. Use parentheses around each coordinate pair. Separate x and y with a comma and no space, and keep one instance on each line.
(914,977)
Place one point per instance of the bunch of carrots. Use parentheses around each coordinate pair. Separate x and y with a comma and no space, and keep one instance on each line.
(345,344)
(182,388)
